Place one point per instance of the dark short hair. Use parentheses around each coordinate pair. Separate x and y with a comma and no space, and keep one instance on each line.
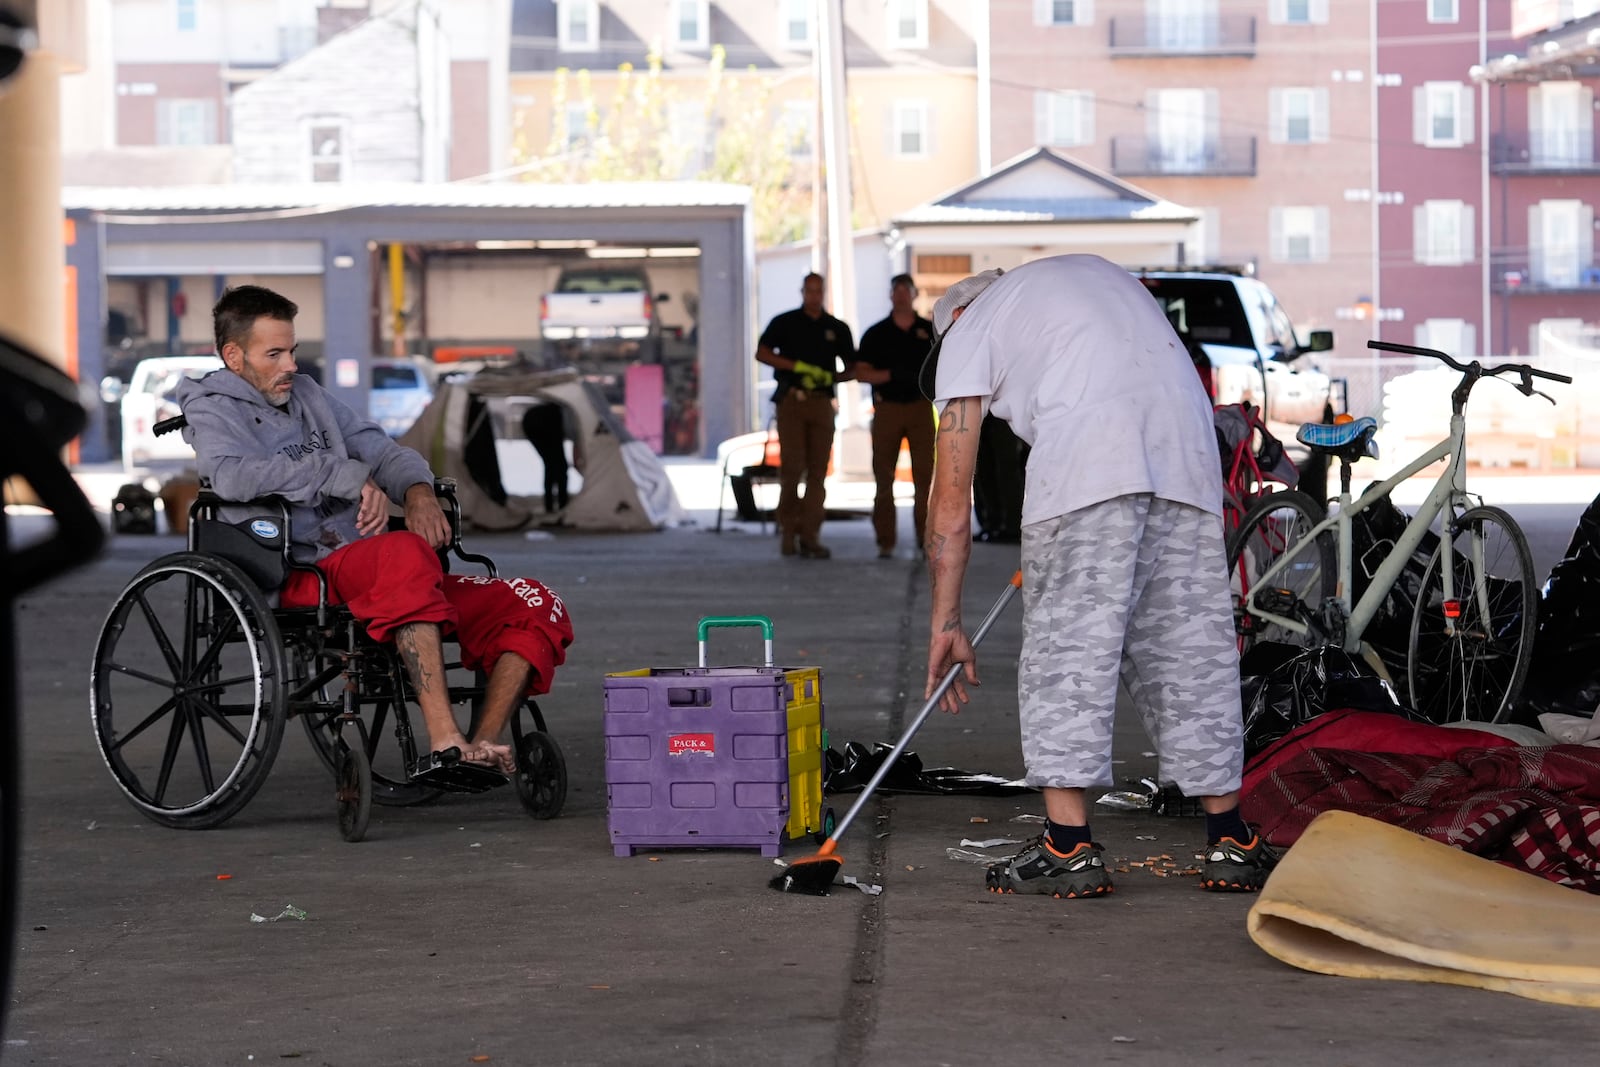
(902,279)
(235,314)
(809,276)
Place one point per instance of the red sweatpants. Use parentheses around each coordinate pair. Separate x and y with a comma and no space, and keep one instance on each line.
(394,579)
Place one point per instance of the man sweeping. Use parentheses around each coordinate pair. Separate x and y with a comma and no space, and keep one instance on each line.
(1124,572)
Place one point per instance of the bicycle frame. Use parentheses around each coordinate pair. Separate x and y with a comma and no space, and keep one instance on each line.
(1449,490)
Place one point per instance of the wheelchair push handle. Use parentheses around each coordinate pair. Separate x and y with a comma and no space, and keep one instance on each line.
(736,620)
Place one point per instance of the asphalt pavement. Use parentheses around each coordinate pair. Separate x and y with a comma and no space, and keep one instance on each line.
(464,932)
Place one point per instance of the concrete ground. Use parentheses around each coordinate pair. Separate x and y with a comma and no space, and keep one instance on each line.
(466,932)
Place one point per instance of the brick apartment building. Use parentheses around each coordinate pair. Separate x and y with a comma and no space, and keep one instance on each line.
(1258,115)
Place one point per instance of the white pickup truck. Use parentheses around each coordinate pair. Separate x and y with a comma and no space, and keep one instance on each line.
(611,306)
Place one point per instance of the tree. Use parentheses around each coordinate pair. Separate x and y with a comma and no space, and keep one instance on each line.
(729,129)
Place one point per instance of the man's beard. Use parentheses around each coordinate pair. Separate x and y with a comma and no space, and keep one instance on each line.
(276,399)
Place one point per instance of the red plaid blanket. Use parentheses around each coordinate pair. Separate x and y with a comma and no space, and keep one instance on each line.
(1537,809)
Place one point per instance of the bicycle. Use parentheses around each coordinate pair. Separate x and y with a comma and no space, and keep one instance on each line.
(1253,461)
(1471,627)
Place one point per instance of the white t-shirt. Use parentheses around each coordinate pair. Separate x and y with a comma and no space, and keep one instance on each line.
(1076,355)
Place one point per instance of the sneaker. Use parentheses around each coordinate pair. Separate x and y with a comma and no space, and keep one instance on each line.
(1232,867)
(1041,869)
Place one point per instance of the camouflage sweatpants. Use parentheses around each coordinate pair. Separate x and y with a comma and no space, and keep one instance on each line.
(1134,587)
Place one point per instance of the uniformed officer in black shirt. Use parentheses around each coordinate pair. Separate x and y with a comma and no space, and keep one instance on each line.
(895,349)
(809,350)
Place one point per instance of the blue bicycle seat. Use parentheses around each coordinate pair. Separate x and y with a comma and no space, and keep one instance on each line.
(1355,438)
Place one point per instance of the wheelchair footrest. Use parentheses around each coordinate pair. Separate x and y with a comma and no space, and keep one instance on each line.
(445,770)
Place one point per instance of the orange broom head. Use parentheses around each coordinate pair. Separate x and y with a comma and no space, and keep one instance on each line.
(810,875)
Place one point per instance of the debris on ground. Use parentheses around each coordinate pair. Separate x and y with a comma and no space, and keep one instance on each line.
(289,912)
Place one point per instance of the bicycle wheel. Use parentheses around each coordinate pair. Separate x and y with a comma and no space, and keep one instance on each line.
(1476,672)
(1280,525)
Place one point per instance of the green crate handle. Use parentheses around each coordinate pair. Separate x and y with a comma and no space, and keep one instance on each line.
(736,620)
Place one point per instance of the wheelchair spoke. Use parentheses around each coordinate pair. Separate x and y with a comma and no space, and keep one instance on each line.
(159,632)
(379,713)
(169,757)
(202,753)
(165,707)
(217,716)
(165,683)
(214,653)
(221,683)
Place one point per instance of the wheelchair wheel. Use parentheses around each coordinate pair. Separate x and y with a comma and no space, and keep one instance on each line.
(541,778)
(353,788)
(390,789)
(187,691)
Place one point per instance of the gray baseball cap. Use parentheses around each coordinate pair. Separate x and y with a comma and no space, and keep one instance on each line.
(956,297)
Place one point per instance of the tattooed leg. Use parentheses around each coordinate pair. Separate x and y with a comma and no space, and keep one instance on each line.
(423,656)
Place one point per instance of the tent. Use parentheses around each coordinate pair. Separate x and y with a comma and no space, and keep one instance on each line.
(466,429)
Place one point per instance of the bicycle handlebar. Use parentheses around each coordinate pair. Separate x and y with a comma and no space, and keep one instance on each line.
(1466,368)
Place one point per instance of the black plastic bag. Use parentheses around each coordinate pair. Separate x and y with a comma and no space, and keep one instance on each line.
(1373,532)
(850,772)
(1284,686)
(1565,674)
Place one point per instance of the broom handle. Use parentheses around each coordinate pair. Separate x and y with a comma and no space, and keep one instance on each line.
(916,724)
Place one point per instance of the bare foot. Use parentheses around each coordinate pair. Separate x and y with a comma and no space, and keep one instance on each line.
(496,755)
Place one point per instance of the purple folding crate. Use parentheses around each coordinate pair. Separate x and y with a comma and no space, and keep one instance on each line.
(697,757)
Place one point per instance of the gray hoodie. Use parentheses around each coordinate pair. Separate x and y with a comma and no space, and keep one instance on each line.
(316,453)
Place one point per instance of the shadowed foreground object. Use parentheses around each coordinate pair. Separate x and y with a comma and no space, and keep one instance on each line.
(1421,911)
(814,875)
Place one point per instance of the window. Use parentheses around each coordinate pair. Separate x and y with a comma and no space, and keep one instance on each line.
(1443,114)
(186,122)
(690,20)
(1063,12)
(326,149)
(794,29)
(1298,11)
(687,133)
(908,23)
(1453,337)
(1064,119)
(578,25)
(1443,11)
(1297,116)
(580,123)
(1300,234)
(910,129)
(797,122)
(1443,232)
(188,14)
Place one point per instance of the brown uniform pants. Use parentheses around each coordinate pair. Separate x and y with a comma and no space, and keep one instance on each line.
(805,440)
(893,422)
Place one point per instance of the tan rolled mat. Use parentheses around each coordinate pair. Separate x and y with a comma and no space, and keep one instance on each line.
(1363,899)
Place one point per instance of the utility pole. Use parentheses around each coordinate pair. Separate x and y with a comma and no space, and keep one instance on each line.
(819,157)
(855,447)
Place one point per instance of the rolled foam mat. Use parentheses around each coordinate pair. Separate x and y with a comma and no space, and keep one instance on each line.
(1362,899)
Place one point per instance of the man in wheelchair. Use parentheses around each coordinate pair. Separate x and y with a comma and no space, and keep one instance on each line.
(260,429)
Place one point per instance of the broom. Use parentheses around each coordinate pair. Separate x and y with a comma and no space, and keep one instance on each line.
(814,874)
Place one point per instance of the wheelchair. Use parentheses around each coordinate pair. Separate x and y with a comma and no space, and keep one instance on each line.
(196,674)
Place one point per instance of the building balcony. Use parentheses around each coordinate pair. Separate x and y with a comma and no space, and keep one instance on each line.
(1546,271)
(1569,152)
(1183,35)
(1214,157)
